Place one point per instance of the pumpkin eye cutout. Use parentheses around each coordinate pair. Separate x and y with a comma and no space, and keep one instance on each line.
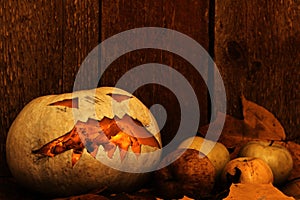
(108,133)
(119,97)
(70,103)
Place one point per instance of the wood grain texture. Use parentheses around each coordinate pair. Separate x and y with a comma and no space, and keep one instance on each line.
(43,44)
(30,62)
(81,24)
(257,52)
(121,15)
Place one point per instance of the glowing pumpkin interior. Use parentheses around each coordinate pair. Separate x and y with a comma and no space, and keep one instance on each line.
(109,133)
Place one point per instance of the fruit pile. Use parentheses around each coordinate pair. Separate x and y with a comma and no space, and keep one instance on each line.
(252,160)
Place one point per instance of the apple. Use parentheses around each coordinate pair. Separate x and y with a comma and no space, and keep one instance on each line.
(247,170)
(275,155)
(191,174)
(216,152)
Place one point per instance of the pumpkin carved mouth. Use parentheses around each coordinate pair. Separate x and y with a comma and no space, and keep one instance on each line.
(122,132)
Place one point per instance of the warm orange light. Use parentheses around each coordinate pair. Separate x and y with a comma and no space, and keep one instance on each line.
(110,133)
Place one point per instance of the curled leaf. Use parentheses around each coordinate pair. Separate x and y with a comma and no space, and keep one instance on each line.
(258,124)
(233,133)
(262,122)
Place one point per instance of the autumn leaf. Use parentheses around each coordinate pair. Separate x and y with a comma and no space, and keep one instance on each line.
(294,148)
(258,124)
(255,191)
(232,132)
(262,122)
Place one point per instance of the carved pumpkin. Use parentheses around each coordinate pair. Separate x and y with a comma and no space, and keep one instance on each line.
(72,143)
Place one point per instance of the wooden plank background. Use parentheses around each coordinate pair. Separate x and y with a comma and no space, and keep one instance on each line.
(257,50)
(255,43)
(118,16)
(31,57)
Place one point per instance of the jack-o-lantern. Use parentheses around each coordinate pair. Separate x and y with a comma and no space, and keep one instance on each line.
(72,143)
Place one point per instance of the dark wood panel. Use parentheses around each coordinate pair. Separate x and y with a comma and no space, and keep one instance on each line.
(30,60)
(188,17)
(257,51)
(81,34)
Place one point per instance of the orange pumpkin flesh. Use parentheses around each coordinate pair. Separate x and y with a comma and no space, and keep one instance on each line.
(109,133)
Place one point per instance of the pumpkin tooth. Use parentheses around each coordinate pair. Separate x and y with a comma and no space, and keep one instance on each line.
(108,133)
(122,154)
(110,148)
(123,141)
(94,152)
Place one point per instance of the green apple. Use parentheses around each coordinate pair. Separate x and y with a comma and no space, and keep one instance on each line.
(275,155)
(216,152)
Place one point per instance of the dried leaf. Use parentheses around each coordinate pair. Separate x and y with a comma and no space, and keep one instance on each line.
(184,198)
(258,124)
(292,189)
(294,148)
(232,126)
(233,133)
(255,191)
(263,122)
(84,197)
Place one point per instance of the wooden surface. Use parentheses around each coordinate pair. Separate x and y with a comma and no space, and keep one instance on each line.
(256,47)
(81,34)
(118,16)
(30,59)
(257,50)
(43,44)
